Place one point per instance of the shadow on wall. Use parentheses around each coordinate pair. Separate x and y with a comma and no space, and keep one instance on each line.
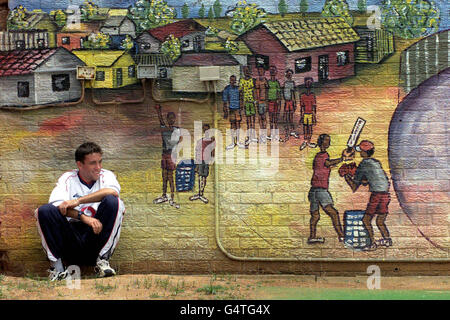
(4,10)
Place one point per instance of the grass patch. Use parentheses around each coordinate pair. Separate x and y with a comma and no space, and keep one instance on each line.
(104,288)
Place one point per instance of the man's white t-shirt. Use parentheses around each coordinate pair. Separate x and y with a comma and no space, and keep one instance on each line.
(70,186)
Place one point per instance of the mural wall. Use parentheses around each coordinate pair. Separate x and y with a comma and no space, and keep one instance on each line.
(281,131)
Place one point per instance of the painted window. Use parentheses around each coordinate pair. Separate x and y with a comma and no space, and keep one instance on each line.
(119,77)
(146,46)
(303,65)
(100,76)
(65,40)
(41,43)
(20,45)
(185,43)
(162,73)
(262,61)
(60,82)
(342,58)
(23,89)
(132,72)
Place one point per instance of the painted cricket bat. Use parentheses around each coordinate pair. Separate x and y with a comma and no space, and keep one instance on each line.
(356,132)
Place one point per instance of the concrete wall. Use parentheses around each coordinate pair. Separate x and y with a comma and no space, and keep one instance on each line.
(258,215)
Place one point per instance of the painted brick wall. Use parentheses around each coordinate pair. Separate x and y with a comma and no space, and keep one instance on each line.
(258,215)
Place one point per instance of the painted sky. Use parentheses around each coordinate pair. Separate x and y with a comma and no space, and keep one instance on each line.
(269,6)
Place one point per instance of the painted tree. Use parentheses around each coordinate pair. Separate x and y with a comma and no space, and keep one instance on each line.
(127,43)
(171,47)
(362,5)
(185,11)
(202,11)
(148,14)
(337,8)
(17,18)
(282,7)
(210,13)
(97,41)
(60,18)
(411,18)
(217,6)
(304,6)
(88,10)
(245,16)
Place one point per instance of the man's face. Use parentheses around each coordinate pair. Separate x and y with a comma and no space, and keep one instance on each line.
(171,119)
(261,72)
(289,75)
(232,81)
(90,168)
(247,72)
(273,71)
(326,143)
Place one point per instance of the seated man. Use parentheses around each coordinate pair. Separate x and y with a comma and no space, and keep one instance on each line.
(81,223)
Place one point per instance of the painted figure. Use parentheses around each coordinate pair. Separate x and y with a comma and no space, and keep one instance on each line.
(247,96)
(204,156)
(319,194)
(171,137)
(308,113)
(290,104)
(81,223)
(261,87)
(232,111)
(370,172)
(274,99)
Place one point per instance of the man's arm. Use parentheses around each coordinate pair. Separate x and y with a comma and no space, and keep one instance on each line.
(351,183)
(93,197)
(160,117)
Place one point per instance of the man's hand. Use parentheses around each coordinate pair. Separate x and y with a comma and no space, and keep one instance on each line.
(348,154)
(68,204)
(95,224)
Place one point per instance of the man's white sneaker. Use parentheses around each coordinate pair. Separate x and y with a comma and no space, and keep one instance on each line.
(54,275)
(194,197)
(204,199)
(103,268)
(231,146)
(303,145)
(174,204)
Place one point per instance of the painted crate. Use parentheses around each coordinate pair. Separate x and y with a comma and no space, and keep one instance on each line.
(356,235)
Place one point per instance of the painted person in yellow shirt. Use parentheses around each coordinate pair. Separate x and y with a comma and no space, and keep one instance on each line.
(246,88)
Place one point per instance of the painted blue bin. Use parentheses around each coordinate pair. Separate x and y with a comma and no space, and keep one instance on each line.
(185,175)
(356,234)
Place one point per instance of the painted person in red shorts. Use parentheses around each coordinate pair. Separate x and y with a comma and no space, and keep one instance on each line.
(370,172)
(308,113)
(290,104)
(171,137)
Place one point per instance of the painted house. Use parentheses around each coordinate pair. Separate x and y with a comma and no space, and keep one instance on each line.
(42,21)
(119,25)
(160,63)
(190,33)
(34,77)
(186,71)
(374,45)
(23,40)
(72,36)
(321,48)
(114,68)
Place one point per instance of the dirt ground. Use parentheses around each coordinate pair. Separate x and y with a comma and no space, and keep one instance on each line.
(223,287)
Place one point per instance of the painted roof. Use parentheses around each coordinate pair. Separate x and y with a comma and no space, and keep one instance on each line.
(153,59)
(22,62)
(117,12)
(219,46)
(114,21)
(205,59)
(312,33)
(99,58)
(178,29)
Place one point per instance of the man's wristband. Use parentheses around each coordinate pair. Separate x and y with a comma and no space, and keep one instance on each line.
(79,215)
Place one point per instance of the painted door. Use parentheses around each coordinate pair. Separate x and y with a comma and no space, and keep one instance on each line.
(323,68)
(119,77)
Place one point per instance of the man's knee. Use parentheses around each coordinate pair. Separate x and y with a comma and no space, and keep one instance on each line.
(47,212)
(110,201)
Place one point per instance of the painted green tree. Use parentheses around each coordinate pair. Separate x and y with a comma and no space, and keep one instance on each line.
(17,18)
(245,16)
(282,7)
(97,41)
(171,48)
(211,13)
(411,18)
(337,8)
(304,6)
(362,5)
(202,11)
(60,18)
(88,10)
(217,6)
(148,14)
(127,43)
(185,11)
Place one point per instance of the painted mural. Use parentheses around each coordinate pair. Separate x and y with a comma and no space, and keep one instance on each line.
(251,131)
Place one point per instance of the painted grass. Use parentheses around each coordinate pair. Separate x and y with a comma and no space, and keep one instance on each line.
(280,293)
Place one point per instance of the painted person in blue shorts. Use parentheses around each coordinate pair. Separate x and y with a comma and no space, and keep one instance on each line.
(232,111)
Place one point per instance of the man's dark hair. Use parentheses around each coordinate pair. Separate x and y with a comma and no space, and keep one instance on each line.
(86,149)
(321,139)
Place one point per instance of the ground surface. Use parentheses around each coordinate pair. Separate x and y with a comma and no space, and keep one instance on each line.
(224,287)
